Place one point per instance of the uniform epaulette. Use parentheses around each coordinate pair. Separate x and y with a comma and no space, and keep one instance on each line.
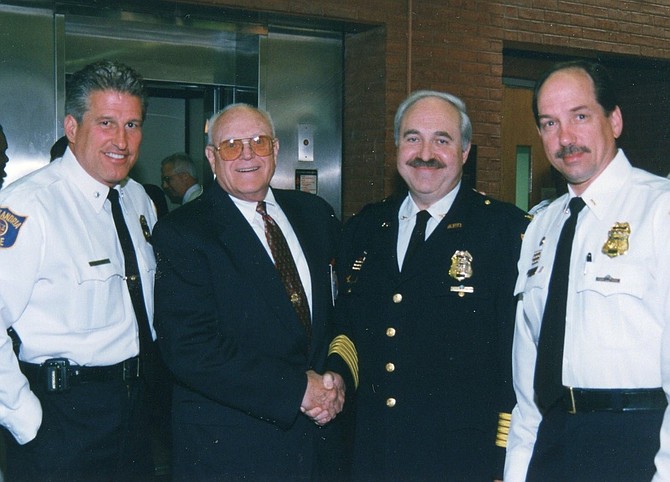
(344,347)
(504,420)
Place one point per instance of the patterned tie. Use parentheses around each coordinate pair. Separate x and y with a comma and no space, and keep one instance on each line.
(133,279)
(548,380)
(286,266)
(418,234)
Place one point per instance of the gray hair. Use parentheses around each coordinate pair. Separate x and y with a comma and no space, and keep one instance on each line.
(217,115)
(102,76)
(181,162)
(465,125)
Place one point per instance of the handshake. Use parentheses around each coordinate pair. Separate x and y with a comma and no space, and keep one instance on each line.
(324,397)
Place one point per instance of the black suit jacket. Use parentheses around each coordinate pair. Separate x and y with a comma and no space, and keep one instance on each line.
(230,336)
(434,362)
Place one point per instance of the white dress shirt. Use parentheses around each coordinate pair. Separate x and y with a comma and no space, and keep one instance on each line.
(407,219)
(62,284)
(248,210)
(618,308)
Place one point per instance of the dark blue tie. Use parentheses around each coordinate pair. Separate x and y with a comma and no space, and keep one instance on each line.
(418,235)
(132,272)
(548,380)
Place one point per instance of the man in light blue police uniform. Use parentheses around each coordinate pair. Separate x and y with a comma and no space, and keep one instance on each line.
(71,397)
(600,419)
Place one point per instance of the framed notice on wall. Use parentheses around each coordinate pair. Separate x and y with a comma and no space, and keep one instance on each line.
(307,180)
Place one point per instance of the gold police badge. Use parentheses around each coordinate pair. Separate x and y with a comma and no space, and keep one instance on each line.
(617,240)
(461,265)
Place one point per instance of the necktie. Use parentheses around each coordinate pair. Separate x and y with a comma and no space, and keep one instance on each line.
(286,266)
(548,380)
(418,234)
(133,280)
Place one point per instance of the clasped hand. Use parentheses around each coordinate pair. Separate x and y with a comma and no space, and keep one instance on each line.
(324,396)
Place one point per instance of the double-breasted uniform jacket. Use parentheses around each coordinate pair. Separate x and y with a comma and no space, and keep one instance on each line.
(231,337)
(433,351)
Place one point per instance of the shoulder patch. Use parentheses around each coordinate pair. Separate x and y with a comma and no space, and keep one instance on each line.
(10,224)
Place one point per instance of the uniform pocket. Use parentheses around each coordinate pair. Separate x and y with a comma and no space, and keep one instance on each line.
(615,278)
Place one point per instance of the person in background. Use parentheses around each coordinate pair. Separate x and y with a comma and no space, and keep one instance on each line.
(425,311)
(179,178)
(242,324)
(3,155)
(72,363)
(592,340)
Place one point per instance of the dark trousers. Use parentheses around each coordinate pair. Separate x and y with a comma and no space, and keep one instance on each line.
(595,446)
(94,432)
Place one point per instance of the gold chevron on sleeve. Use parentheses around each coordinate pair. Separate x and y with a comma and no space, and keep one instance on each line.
(504,420)
(344,347)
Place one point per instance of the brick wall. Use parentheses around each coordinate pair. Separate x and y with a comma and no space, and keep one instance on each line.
(457,45)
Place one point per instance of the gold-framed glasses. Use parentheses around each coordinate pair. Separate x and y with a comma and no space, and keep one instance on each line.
(231,149)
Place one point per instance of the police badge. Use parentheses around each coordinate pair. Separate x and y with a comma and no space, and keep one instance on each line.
(461,265)
(617,240)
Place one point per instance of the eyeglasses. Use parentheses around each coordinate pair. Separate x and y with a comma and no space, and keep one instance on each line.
(231,149)
(166,179)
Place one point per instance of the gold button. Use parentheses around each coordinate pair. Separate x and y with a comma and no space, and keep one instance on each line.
(390,367)
(397,298)
(390,402)
(390,332)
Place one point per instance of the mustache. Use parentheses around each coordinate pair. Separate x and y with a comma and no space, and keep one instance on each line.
(418,162)
(571,149)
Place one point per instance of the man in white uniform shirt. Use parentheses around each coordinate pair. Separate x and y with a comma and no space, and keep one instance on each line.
(71,398)
(605,421)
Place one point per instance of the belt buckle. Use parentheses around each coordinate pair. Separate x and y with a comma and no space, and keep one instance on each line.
(131,369)
(573,407)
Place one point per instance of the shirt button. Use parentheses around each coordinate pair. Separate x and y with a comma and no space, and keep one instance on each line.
(390,332)
(390,367)
(397,298)
(390,402)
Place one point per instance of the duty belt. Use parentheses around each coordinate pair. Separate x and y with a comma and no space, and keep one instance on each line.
(58,375)
(581,400)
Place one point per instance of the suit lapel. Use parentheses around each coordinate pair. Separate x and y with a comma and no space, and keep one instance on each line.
(253,265)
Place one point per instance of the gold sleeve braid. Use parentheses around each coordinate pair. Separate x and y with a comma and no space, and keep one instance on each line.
(344,347)
(504,420)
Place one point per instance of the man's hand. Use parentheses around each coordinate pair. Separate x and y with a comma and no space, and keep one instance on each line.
(324,396)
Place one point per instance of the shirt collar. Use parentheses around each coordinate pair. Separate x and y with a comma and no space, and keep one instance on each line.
(438,210)
(605,188)
(94,191)
(248,208)
(193,189)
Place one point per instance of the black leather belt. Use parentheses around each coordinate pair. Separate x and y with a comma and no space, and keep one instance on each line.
(57,375)
(580,400)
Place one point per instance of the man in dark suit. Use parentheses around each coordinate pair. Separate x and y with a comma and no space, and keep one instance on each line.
(246,350)
(426,326)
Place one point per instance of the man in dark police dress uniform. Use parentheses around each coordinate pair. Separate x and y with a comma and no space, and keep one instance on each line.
(426,331)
